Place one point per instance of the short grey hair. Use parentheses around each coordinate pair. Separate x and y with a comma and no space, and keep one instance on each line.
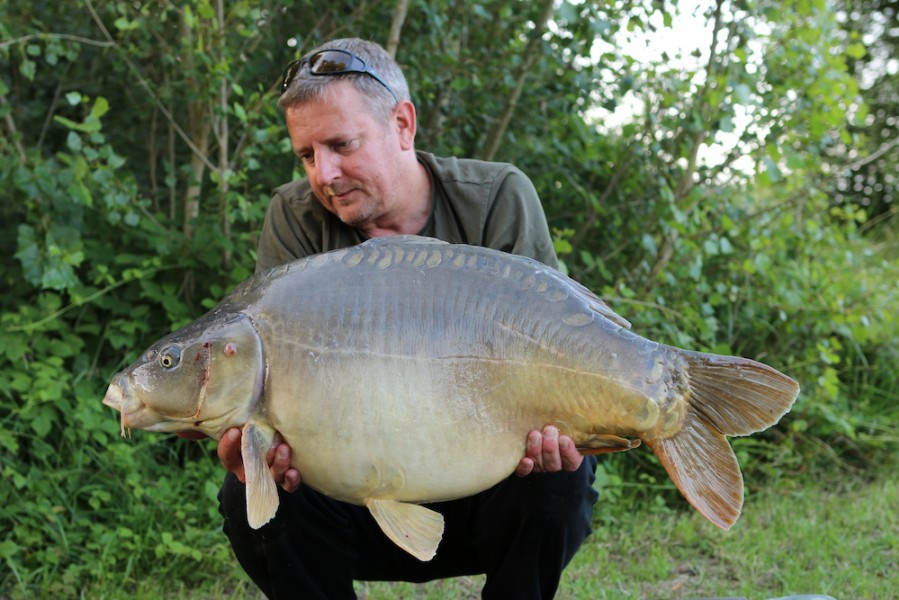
(306,87)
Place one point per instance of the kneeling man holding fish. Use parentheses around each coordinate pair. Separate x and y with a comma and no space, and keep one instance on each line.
(352,124)
(395,388)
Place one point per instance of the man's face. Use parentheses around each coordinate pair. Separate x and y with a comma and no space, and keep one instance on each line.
(350,157)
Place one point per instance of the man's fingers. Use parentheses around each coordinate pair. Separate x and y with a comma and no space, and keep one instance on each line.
(285,476)
(535,450)
(280,461)
(228,451)
(551,460)
(525,467)
(571,458)
(547,452)
(291,480)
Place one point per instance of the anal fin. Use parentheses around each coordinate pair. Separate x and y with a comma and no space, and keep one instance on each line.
(604,443)
(415,529)
(262,493)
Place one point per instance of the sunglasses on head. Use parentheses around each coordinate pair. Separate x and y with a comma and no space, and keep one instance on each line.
(331,62)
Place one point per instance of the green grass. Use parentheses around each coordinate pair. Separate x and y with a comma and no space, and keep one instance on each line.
(835,535)
(839,538)
(841,542)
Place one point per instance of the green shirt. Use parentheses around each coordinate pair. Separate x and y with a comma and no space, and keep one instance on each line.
(474,202)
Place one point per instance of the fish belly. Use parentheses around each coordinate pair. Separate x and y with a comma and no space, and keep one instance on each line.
(393,428)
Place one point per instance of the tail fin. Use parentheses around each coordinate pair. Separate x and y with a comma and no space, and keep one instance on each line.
(729,396)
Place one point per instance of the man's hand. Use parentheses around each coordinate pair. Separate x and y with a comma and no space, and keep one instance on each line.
(278,457)
(547,452)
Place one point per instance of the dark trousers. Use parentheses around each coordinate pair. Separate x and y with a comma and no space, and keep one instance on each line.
(521,533)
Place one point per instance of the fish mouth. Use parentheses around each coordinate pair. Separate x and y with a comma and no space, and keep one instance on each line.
(136,414)
(115,398)
(118,396)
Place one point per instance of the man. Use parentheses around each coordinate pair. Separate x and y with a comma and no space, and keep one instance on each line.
(352,125)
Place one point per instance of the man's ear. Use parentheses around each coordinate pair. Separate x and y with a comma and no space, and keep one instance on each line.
(405,119)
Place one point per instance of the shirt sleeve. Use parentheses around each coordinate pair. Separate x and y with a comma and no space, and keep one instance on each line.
(286,233)
(516,222)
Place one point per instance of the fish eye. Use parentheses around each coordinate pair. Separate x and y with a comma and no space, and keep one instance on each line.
(170,357)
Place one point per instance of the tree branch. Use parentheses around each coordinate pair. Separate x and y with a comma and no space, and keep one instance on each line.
(884,148)
(13,132)
(396,26)
(530,55)
(222,133)
(56,36)
(697,138)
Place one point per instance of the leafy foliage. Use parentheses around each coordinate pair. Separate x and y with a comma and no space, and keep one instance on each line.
(140,142)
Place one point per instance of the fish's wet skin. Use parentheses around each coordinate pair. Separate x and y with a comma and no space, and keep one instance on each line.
(372,361)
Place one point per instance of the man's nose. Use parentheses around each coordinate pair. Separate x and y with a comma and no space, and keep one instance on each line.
(327,167)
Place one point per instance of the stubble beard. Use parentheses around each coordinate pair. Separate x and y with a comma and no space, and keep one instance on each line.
(353,212)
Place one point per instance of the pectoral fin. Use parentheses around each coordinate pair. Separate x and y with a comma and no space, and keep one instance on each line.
(414,528)
(603,443)
(262,493)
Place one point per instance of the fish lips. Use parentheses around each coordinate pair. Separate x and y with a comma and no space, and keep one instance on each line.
(134,413)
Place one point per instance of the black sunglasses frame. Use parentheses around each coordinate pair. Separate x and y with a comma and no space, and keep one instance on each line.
(353,65)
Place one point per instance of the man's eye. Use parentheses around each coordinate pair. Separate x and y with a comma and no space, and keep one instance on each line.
(348,145)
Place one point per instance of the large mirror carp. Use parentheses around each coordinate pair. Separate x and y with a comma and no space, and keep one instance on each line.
(376,363)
